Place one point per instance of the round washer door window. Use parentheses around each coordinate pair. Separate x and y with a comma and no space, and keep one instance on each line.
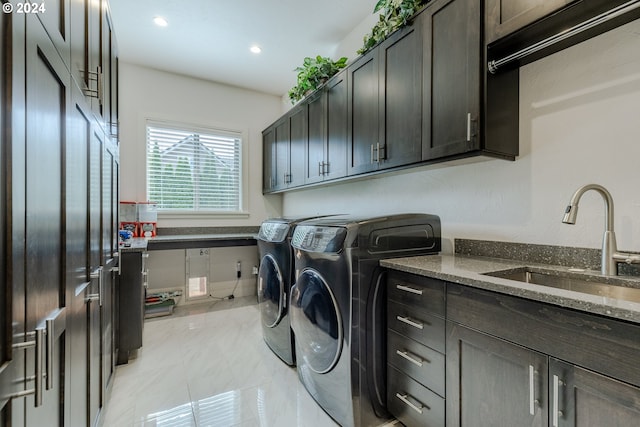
(316,322)
(270,291)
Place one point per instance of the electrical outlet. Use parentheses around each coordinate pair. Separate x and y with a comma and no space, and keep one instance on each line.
(239,269)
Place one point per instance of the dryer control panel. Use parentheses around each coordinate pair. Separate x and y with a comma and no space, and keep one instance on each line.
(319,238)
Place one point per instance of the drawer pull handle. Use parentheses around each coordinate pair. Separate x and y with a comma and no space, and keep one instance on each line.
(409,289)
(410,322)
(411,358)
(418,409)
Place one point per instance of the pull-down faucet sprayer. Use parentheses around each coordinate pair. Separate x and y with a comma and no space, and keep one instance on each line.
(610,254)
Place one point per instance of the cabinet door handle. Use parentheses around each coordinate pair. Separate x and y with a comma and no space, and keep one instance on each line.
(100,85)
(468,127)
(97,274)
(39,348)
(533,402)
(557,382)
(372,153)
(410,322)
(409,289)
(319,168)
(405,399)
(382,148)
(411,358)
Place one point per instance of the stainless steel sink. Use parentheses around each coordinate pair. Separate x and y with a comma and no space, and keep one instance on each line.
(567,281)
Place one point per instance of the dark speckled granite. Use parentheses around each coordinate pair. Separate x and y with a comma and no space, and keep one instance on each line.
(544,254)
(471,271)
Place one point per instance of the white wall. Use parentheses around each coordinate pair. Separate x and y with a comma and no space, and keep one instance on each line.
(147,93)
(579,123)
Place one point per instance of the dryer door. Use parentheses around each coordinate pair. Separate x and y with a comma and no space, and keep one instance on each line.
(315,319)
(270,291)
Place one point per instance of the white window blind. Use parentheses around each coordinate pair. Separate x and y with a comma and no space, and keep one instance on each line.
(193,170)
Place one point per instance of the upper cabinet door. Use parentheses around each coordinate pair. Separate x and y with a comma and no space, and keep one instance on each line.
(363,114)
(335,159)
(452,79)
(400,98)
(316,137)
(503,17)
(108,84)
(55,18)
(297,141)
(79,43)
(282,148)
(268,159)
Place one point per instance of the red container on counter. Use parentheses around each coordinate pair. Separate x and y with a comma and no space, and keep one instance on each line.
(129,217)
(147,219)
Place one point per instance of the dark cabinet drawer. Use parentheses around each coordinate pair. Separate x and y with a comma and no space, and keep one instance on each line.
(411,403)
(423,364)
(421,293)
(416,324)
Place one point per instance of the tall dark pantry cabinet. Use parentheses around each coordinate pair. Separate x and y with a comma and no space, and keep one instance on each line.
(58,240)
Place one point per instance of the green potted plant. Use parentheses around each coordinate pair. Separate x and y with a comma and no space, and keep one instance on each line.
(313,73)
(394,14)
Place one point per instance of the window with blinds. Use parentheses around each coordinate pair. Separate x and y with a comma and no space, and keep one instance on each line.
(193,170)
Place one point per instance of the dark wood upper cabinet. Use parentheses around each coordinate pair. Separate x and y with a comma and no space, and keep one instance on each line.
(513,27)
(506,16)
(363,113)
(294,176)
(452,78)
(282,144)
(335,165)
(55,18)
(400,102)
(93,60)
(283,151)
(268,159)
(326,154)
(385,104)
(316,138)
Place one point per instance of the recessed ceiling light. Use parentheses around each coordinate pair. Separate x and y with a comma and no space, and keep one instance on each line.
(160,21)
(255,49)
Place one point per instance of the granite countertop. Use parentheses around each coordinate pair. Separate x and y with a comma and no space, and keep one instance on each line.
(468,270)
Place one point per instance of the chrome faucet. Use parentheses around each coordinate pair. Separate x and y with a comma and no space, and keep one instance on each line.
(610,254)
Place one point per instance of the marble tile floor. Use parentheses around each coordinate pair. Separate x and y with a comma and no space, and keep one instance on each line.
(209,366)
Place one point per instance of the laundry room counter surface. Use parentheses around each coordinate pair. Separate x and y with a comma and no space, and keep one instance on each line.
(185,241)
(470,271)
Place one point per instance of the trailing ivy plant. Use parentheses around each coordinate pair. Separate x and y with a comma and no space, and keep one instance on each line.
(394,14)
(313,73)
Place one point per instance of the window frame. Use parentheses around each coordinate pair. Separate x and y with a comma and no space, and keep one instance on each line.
(243,197)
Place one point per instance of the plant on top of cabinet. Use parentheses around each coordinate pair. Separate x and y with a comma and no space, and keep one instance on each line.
(313,73)
(394,14)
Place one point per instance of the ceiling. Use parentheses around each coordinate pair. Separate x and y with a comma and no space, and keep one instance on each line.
(210,39)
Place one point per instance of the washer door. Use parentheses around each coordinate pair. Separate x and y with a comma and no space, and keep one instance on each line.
(315,319)
(270,291)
